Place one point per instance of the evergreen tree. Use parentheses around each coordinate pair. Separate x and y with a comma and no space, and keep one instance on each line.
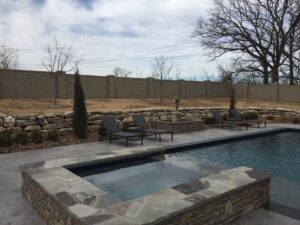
(79,108)
(232,102)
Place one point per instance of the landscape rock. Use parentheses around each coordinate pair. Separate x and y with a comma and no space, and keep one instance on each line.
(32,128)
(65,131)
(95,117)
(1,122)
(53,120)
(25,123)
(2,115)
(53,126)
(13,130)
(95,128)
(42,120)
(9,121)
(2,129)
(68,115)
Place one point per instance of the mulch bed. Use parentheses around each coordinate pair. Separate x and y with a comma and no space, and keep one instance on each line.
(63,140)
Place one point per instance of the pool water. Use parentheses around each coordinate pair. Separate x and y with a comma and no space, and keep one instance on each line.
(129,180)
(278,154)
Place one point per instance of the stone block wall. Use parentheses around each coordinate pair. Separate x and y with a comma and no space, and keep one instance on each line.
(40,84)
(62,122)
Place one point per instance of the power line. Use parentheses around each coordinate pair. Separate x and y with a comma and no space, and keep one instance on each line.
(139,53)
(142,62)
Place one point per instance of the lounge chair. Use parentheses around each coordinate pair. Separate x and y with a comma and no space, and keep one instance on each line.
(238,117)
(113,131)
(140,121)
(218,118)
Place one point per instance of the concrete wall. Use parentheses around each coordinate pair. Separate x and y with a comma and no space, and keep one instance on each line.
(272,92)
(39,84)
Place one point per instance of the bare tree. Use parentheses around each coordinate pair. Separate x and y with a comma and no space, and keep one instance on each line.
(8,57)
(121,72)
(59,58)
(258,29)
(178,72)
(161,69)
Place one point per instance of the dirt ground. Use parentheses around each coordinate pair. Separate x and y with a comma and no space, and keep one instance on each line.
(34,106)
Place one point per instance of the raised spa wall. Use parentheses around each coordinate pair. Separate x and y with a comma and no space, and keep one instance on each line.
(63,198)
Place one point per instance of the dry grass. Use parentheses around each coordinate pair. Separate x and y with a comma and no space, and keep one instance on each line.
(31,106)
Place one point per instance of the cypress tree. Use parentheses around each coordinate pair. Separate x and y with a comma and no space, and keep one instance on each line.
(79,108)
(232,102)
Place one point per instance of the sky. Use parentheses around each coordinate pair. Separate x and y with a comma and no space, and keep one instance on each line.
(109,33)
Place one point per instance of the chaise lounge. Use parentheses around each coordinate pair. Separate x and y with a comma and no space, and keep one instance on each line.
(140,121)
(113,131)
(218,118)
(238,117)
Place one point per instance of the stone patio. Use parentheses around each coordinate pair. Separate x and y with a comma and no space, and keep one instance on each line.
(15,210)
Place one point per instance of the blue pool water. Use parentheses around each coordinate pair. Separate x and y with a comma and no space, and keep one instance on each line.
(277,153)
(129,180)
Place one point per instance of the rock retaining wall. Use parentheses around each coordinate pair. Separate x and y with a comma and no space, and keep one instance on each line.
(62,122)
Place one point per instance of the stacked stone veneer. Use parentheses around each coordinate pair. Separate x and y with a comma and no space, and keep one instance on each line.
(62,197)
(63,121)
(181,126)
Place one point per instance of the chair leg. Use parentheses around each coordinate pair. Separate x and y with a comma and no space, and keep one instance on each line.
(142,143)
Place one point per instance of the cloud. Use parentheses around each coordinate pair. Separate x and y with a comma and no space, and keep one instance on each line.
(105,28)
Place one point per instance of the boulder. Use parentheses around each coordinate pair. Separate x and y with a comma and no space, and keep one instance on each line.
(65,131)
(25,123)
(164,118)
(14,130)
(53,126)
(55,120)
(95,117)
(188,117)
(68,115)
(2,115)
(42,120)
(95,122)
(9,121)
(95,128)
(32,128)
(2,129)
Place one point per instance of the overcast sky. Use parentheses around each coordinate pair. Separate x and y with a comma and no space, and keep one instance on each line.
(126,33)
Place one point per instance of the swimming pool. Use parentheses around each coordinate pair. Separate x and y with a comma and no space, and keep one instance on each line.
(277,153)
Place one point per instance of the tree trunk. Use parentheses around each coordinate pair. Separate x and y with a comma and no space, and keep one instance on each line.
(291,75)
(161,92)
(55,87)
(275,74)
(266,75)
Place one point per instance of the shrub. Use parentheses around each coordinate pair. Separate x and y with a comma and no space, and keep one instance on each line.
(250,115)
(209,120)
(37,137)
(5,139)
(21,138)
(80,115)
(53,135)
(232,102)
(270,117)
(296,120)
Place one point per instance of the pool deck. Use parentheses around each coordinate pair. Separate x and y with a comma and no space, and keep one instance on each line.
(15,210)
